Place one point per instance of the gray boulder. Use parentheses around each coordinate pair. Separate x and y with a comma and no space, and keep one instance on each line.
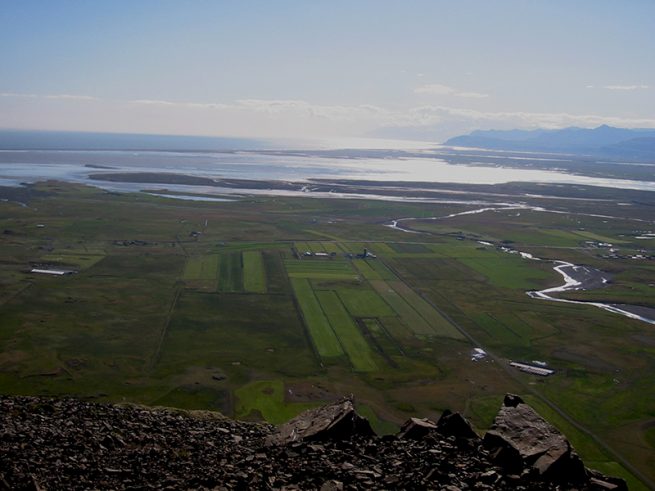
(521,439)
(416,428)
(337,421)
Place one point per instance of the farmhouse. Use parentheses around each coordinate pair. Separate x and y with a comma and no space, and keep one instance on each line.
(54,272)
(366,254)
(524,367)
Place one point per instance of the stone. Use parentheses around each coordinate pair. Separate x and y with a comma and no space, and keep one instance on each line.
(519,436)
(601,482)
(454,424)
(54,444)
(512,400)
(332,485)
(415,428)
(337,421)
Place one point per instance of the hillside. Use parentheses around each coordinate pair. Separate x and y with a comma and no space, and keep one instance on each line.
(69,444)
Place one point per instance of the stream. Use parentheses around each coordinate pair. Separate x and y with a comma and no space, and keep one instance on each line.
(575,277)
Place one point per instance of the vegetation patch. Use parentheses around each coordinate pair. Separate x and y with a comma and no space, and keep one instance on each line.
(265,398)
(201,267)
(354,344)
(364,303)
(409,316)
(325,341)
(254,275)
(230,276)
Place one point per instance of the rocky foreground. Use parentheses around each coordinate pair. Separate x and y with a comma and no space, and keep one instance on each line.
(69,444)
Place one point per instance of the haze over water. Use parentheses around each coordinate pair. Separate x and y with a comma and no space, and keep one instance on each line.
(77,166)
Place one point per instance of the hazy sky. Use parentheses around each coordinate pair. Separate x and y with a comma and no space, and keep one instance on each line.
(312,68)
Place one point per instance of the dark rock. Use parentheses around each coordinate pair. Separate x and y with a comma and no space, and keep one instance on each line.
(505,456)
(601,482)
(518,429)
(454,424)
(332,485)
(415,428)
(337,421)
(512,400)
(58,444)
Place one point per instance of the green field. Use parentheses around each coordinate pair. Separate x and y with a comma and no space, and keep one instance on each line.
(354,344)
(235,320)
(410,317)
(201,268)
(364,303)
(254,274)
(230,275)
(79,259)
(264,399)
(324,339)
(320,268)
(437,322)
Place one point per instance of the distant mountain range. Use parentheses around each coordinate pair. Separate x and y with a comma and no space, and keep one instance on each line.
(604,141)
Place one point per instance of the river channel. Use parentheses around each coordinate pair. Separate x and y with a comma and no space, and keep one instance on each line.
(575,277)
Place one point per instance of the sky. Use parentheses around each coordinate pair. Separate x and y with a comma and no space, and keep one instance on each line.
(423,69)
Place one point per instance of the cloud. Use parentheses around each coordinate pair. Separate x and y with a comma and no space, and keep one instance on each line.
(620,87)
(179,104)
(472,95)
(286,118)
(438,89)
(626,87)
(332,112)
(277,107)
(19,96)
(70,97)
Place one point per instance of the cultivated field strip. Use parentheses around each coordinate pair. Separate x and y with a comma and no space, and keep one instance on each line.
(325,340)
(354,344)
(202,272)
(254,275)
(230,276)
(364,303)
(410,317)
(320,269)
(438,323)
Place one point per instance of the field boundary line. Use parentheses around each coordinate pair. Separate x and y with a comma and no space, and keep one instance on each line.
(156,355)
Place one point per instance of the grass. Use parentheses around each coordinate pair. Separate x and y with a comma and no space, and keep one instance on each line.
(118,331)
(409,316)
(264,399)
(364,303)
(75,258)
(437,322)
(201,267)
(320,268)
(366,270)
(586,449)
(195,397)
(508,271)
(254,274)
(354,344)
(380,426)
(230,276)
(323,337)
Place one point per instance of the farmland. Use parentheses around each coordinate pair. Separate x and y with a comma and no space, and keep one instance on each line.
(240,319)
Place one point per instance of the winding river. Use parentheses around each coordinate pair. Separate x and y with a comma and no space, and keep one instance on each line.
(575,277)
